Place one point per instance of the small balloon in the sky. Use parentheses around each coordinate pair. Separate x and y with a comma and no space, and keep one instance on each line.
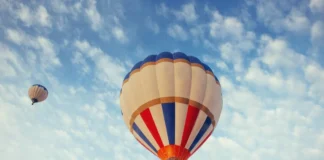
(37,93)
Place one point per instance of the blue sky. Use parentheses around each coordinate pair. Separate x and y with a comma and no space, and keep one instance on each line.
(268,56)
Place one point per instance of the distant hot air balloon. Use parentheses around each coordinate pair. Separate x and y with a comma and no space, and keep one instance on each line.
(37,93)
(171,103)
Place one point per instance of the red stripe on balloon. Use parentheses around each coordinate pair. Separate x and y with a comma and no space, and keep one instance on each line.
(150,124)
(192,115)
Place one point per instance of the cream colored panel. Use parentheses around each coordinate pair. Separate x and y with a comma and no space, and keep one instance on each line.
(149,84)
(213,99)
(180,120)
(182,79)
(165,79)
(158,117)
(198,84)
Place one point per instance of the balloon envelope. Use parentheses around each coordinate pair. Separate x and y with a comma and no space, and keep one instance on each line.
(171,103)
(37,93)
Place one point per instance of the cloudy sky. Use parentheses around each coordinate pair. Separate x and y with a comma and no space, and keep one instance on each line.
(268,56)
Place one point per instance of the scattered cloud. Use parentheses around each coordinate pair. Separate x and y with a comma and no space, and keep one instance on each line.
(317,33)
(220,64)
(177,32)
(316,6)
(93,15)
(277,54)
(10,62)
(42,45)
(281,16)
(225,27)
(296,22)
(109,70)
(152,25)
(38,17)
(187,13)
(119,34)
(262,53)
(162,10)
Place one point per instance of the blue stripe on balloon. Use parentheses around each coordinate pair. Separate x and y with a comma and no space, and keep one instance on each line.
(127,76)
(174,56)
(207,68)
(180,55)
(38,85)
(164,55)
(137,65)
(169,118)
(150,58)
(140,133)
(201,132)
(195,60)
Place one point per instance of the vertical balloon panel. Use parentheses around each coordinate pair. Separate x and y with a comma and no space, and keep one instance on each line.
(182,81)
(213,98)
(135,87)
(165,79)
(149,81)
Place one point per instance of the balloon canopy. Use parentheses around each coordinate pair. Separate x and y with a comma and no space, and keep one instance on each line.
(171,103)
(37,93)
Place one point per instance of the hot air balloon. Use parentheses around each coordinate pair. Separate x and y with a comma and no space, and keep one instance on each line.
(37,93)
(171,104)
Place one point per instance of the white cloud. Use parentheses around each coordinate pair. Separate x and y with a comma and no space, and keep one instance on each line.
(221,148)
(98,110)
(187,13)
(296,22)
(177,32)
(43,17)
(314,74)
(217,62)
(249,120)
(197,31)
(317,33)
(38,17)
(74,9)
(283,16)
(275,81)
(232,40)
(162,10)
(43,46)
(232,54)
(78,58)
(74,90)
(108,69)
(276,53)
(59,6)
(24,14)
(119,34)
(152,25)
(225,27)
(93,15)
(316,6)
(9,62)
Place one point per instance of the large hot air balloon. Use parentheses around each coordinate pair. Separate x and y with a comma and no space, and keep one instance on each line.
(171,103)
(37,93)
